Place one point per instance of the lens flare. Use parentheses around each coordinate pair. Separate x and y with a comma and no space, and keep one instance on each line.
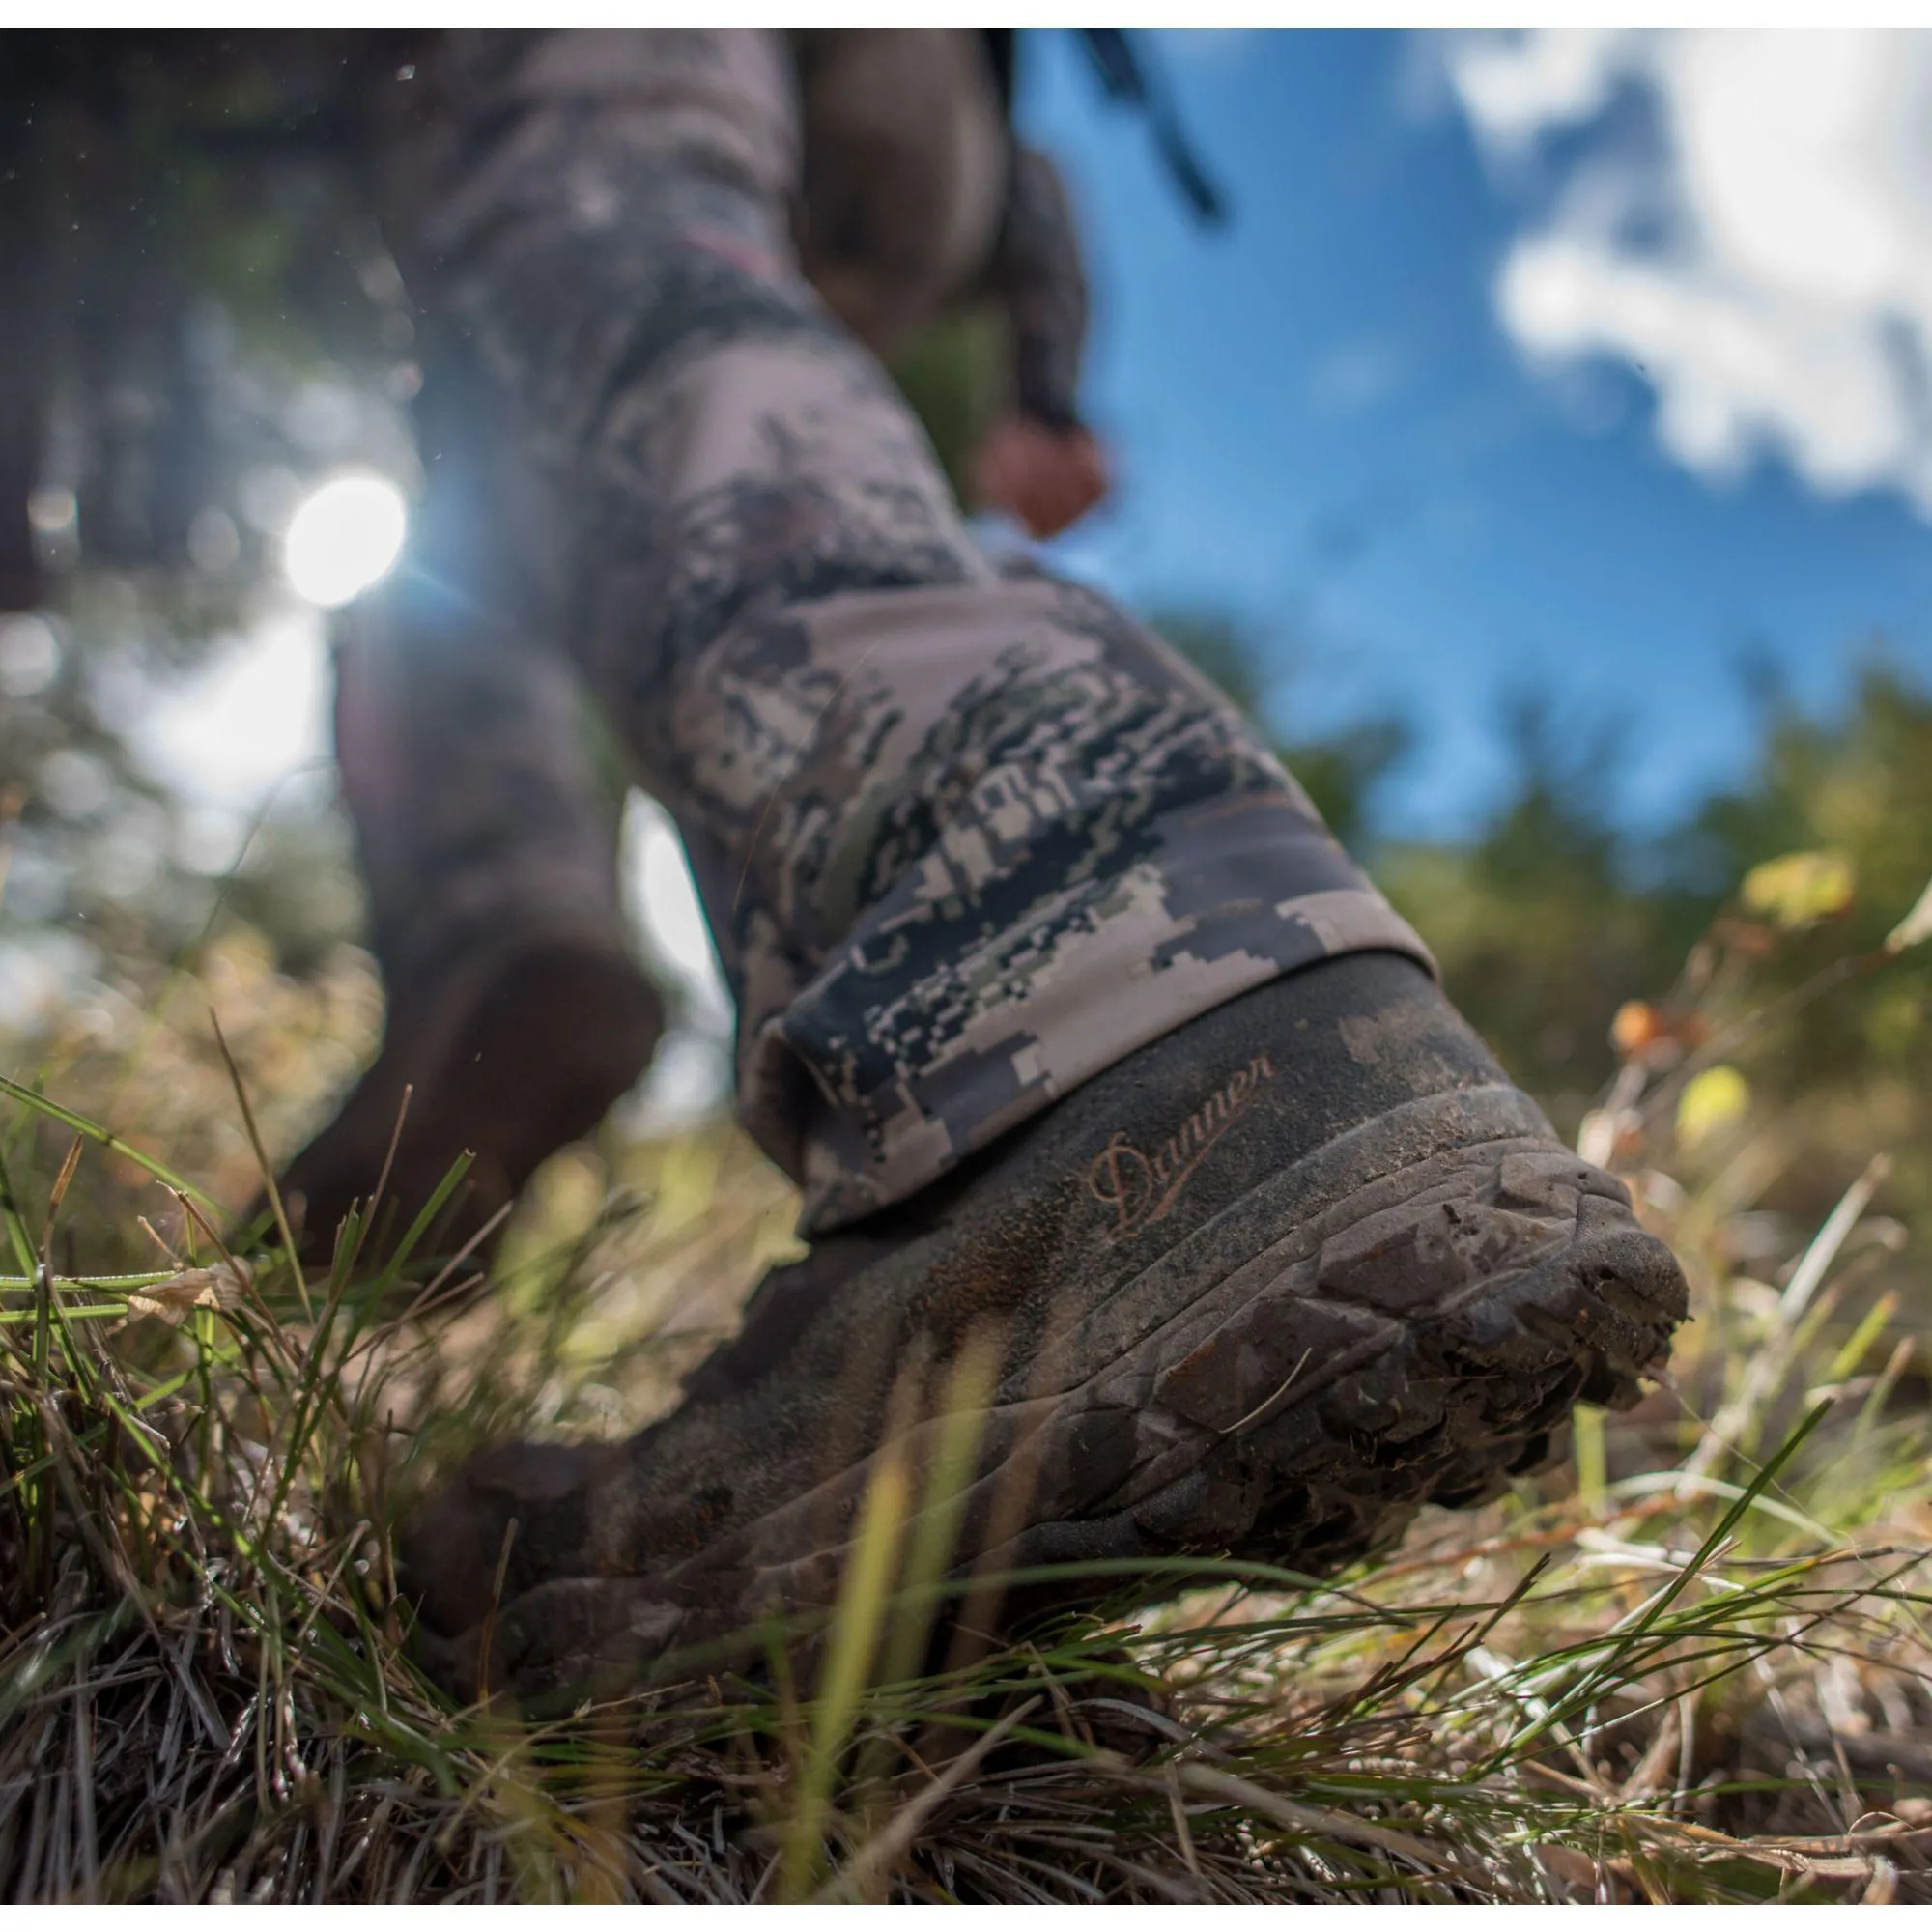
(344,536)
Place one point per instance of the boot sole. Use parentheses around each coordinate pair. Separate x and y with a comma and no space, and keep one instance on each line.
(1447,1281)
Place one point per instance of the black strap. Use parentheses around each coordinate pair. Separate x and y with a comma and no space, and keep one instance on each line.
(1127,75)
(1000,56)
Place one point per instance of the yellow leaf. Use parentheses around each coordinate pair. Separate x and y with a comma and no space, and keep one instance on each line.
(1635,1026)
(1800,888)
(1716,1100)
(1915,927)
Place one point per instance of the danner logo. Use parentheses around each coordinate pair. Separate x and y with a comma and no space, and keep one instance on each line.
(1139,1187)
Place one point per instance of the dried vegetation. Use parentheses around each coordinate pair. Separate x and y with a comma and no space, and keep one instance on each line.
(1689,1664)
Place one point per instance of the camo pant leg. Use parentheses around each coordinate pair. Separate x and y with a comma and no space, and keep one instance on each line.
(486,812)
(965,838)
(484,785)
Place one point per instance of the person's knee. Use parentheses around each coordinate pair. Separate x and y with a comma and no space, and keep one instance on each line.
(906,154)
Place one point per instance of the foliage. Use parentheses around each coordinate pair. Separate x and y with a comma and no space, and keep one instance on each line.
(952,374)
(1690,1666)
(1546,920)
(1695,1668)
(201,318)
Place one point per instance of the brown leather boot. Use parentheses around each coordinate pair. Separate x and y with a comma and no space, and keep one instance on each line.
(1262,1287)
(523,1049)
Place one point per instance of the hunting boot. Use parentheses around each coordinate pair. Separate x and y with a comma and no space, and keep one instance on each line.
(1260,1288)
(507,1056)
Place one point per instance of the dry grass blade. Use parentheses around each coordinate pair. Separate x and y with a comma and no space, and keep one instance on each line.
(886,1847)
(266,1166)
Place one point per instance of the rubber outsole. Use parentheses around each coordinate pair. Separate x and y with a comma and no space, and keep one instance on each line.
(1443,1283)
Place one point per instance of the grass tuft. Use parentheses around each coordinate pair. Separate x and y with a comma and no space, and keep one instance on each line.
(1693,1665)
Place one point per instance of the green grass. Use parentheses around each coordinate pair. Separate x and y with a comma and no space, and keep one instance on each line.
(1691,1665)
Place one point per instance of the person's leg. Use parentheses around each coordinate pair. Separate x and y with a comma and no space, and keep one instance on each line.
(486,791)
(516,1010)
(483,788)
(1072,1019)
(965,838)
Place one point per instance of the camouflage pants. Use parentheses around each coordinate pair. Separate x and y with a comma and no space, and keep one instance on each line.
(964,836)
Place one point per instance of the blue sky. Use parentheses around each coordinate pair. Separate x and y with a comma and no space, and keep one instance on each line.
(1325,426)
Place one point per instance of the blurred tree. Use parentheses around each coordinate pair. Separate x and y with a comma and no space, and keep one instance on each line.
(954,376)
(1341,771)
(1553,915)
(1853,1065)
(1539,923)
(1550,917)
(198,317)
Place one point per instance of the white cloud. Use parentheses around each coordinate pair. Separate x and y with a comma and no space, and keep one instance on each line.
(1764,257)
(1514,86)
